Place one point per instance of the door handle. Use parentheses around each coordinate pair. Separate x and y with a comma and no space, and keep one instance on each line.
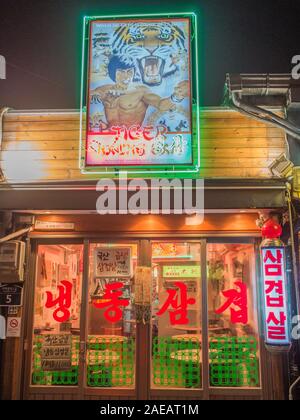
(82,350)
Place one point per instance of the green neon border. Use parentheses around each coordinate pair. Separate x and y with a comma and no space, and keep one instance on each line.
(149,169)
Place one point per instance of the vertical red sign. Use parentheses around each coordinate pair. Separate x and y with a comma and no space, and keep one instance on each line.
(275,296)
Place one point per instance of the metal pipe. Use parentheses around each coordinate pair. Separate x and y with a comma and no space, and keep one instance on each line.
(295,271)
(264,115)
(15,234)
(2,112)
(292,388)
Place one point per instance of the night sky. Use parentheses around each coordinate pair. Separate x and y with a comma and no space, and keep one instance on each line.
(41,41)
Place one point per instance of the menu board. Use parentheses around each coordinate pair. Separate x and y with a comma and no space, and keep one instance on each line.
(56,352)
(112,262)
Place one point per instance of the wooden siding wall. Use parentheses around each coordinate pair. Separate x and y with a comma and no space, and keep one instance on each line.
(45,147)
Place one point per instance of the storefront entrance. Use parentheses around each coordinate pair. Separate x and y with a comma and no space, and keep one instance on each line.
(143,319)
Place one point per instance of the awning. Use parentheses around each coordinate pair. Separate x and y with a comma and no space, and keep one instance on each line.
(218,195)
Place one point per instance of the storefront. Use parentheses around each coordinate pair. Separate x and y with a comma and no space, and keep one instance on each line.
(82,340)
(145,306)
(209,347)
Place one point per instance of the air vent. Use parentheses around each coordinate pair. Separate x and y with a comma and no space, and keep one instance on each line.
(282,167)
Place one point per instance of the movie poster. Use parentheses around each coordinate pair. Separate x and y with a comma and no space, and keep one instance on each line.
(139,93)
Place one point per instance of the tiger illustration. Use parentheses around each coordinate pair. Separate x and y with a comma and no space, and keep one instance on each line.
(158,48)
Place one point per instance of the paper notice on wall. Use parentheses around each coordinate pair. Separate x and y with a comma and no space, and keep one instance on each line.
(143,278)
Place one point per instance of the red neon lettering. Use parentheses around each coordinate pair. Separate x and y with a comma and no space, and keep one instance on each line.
(63,301)
(111,300)
(179,315)
(237,298)
(274,320)
(273,270)
(275,302)
(277,286)
(276,333)
(274,259)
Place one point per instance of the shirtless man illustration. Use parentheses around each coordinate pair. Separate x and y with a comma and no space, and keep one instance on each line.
(126,103)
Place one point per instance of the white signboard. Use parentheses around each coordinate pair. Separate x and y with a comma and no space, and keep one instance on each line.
(112,262)
(13,327)
(44,225)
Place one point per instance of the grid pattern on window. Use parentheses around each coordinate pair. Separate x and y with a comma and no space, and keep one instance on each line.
(110,362)
(176,363)
(234,362)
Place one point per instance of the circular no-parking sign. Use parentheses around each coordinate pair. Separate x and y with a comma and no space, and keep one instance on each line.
(14,323)
(13,327)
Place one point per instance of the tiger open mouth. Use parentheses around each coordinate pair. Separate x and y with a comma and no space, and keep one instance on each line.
(151,69)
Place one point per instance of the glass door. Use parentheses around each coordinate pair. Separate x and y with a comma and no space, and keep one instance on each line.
(82,338)
(234,348)
(204,325)
(56,316)
(176,326)
(111,328)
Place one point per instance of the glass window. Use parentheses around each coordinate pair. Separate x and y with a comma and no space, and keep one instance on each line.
(56,327)
(232,305)
(111,323)
(176,315)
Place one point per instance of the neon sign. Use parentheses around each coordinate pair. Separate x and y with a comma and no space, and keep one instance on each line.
(139,94)
(275,297)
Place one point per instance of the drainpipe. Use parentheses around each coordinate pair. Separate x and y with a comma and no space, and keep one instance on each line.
(291,389)
(295,273)
(292,130)
(261,114)
(2,112)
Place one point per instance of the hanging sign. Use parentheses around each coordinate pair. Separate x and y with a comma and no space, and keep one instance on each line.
(275,296)
(139,94)
(181,271)
(112,262)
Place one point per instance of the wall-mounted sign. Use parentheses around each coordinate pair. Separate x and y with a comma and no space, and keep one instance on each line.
(275,297)
(56,352)
(13,327)
(181,271)
(139,94)
(11,295)
(13,310)
(112,262)
(45,225)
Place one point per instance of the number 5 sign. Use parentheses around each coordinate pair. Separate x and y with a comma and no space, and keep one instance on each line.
(11,295)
